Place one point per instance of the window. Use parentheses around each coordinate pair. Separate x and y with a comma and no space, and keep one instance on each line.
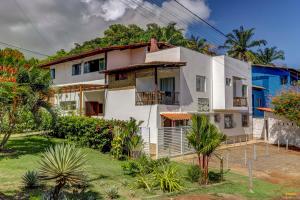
(228,81)
(92,66)
(217,118)
(228,121)
(200,83)
(68,105)
(244,90)
(283,80)
(76,69)
(102,64)
(245,120)
(121,76)
(52,73)
(167,84)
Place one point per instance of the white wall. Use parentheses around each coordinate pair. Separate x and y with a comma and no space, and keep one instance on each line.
(167,55)
(120,104)
(281,129)
(63,72)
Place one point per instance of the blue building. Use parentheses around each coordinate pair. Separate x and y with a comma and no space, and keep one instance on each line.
(269,81)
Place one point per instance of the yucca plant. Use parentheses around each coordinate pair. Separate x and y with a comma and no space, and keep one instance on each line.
(167,178)
(30,179)
(62,163)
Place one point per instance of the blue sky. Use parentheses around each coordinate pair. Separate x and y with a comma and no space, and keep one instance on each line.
(274,20)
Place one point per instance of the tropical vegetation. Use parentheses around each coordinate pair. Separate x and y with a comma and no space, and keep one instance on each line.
(204,137)
(24,88)
(268,55)
(287,104)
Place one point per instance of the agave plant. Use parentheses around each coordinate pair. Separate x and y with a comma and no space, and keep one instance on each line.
(31,179)
(62,163)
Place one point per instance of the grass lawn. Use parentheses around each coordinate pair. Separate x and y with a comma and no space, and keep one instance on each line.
(104,172)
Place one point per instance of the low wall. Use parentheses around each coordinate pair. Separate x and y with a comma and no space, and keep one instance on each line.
(259,128)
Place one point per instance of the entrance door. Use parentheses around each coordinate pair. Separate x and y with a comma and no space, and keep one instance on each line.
(93,108)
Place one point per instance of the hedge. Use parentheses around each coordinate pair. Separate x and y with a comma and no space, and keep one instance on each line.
(87,132)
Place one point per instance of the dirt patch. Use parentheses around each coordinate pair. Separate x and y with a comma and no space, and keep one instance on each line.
(220,196)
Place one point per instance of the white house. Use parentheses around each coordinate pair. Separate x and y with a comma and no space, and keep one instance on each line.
(157,83)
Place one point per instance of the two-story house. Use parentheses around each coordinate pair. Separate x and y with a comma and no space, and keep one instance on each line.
(269,81)
(157,83)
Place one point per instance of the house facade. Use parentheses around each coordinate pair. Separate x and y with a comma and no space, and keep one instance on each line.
(157,83)
(269,81)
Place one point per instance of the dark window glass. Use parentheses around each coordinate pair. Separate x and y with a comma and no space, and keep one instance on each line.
(121,76)
(76,69)
(245,120)
(52,73)
(200,83)
(283,80)
(217,118)
(102,65)
(228,121)
(91,66)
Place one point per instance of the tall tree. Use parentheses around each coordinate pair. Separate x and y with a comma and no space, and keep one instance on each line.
(204,137)
(268,55)
(200,45)
(240,44)
(23,88)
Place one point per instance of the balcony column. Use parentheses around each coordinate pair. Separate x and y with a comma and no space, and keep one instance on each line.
(156,85)
(80,100)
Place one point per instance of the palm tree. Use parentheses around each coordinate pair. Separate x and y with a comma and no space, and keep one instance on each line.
(62,163)
(200,45)
(240,43)
(268,55)
(204,137)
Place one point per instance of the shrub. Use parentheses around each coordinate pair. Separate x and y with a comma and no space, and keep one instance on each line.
(131,168)
(214,177)
(167,178)
(194,173)
(63,164)
(85,131)
(145,182)
(31,179)
(112,192)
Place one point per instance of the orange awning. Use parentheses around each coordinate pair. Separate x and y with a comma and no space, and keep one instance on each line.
(265,109)
(177,116)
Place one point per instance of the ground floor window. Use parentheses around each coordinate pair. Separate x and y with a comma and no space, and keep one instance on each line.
(93,108)
(68,105)
(245,120)
(228,121)
(217,118)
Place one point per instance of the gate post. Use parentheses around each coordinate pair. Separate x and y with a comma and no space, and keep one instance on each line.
(181,142)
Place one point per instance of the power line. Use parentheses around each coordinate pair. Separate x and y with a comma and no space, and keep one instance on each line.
(24,49)
(203,20)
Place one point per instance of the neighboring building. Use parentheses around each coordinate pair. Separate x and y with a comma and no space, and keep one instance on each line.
(158,84)
(269,81)
(278,129)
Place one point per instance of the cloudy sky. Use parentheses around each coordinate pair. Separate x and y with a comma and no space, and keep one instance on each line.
(49,25)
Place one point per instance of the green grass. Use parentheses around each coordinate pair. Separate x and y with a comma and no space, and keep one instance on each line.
(104,172)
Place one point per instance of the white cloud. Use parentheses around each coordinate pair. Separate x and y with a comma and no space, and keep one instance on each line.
(62,23)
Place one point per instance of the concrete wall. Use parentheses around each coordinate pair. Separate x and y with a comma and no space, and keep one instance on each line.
(168,55)
(281,129)
(259,128)
(63,72)
(120,104)
(123,58)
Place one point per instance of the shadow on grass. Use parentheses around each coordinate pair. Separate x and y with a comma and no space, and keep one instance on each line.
(26,145)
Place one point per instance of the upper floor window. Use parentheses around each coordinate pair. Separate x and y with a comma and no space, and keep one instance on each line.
(52,73)
(228,81)
(121,76)
(244,90)
(94,65)
(283,80)
(200,83)
(76,69)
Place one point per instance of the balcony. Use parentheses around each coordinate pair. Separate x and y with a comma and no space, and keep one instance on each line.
(240,102)
(156,97)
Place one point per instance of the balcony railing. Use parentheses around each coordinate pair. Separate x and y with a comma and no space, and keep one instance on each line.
(156,97)
(240,101)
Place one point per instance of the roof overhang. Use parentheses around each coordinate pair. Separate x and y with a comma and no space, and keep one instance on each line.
(265,109)
(258,87)
(77,87)
(102,50)
(146,66)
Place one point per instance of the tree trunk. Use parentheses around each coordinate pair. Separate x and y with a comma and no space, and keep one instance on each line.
(57,190)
